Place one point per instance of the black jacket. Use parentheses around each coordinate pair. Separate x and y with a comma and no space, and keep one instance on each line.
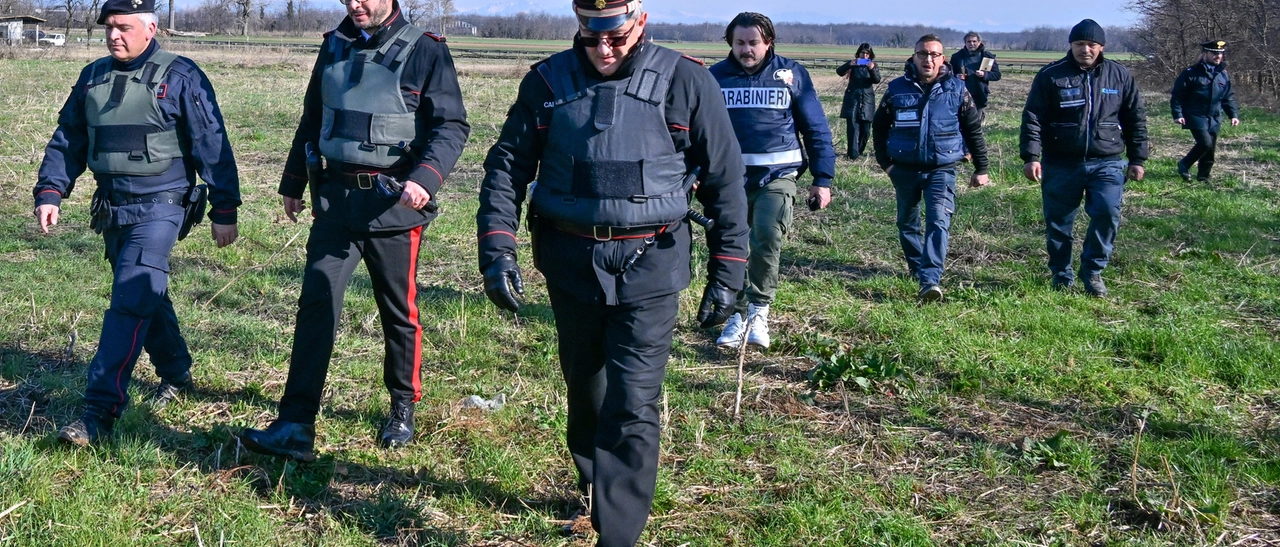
(1074,114)
(1201,96)
(860,94)
(429,86)
(963,62)
(188,101)
(699,125)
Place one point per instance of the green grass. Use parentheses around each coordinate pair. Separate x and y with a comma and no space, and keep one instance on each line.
(1177,370)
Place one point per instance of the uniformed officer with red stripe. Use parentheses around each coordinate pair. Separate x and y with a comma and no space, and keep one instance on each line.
(611,127)
(385,111)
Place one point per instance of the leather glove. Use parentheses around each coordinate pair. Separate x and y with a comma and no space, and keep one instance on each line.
(717,304)
(500,278)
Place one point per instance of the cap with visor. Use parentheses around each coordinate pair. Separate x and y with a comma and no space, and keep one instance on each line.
(605,15)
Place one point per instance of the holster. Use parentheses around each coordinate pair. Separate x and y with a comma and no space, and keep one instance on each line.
(315,175)
(99,210)
(193,209)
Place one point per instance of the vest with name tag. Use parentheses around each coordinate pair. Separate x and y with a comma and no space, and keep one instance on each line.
(365,120)
(925,130)
(128,134)
(760,108)
(609,159)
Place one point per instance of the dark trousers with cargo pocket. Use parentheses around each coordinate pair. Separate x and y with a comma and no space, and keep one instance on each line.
(333,252)
(614,359)
(925,248)
(1202,154)
(141,315)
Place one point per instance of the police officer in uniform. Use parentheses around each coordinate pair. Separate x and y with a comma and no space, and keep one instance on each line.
(146,122)
(1200,95)
(921,129)
(385,112)
(610,128)
(1083,117)
(774,108)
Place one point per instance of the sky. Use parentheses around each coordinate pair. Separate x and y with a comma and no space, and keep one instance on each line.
(997,15)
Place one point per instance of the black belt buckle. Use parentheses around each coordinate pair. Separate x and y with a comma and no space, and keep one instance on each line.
(364,181)
(595,233)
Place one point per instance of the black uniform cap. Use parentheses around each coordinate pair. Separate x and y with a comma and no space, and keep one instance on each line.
(1216,46)
(125,7)
(605,15)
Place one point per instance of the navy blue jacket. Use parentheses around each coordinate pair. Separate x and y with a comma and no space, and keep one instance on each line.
(1201,95)
(772,111)
(963,62)
(1074,114)
(901,116)
(190,106)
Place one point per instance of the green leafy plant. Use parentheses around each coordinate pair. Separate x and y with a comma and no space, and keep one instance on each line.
(1047,452)
(869,367)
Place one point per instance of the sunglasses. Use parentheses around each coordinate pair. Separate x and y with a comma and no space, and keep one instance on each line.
(609,41)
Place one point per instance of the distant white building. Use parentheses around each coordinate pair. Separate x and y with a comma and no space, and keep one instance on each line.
(11,27)
(460,27)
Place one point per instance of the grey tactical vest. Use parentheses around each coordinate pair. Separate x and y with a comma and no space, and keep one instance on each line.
(128,134)
(365,119)
(609,159)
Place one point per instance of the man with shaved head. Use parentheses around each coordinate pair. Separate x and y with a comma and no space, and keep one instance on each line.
(145,121)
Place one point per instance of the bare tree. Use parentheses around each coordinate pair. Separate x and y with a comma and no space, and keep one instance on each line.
(73,7)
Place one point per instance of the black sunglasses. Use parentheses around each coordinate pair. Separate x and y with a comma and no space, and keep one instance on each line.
(609,41)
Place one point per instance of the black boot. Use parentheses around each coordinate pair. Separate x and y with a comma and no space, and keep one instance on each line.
(399,429)
(169,390)
(1094,286)
(93,427)
(283,439)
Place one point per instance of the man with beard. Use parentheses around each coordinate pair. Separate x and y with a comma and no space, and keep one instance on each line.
(384,109)
(1083,112)
(611,129)
(774,108)
(1200,95)
(967,64)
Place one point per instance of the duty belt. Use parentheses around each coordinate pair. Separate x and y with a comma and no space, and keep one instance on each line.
(609,233)
(365,180)
(118,199)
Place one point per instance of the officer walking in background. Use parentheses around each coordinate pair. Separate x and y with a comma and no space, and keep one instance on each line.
(774,108)
(859,105)
(610,128)
(923,125)
(145,121)
(1200,95)
(1083,112)
(967,64)
(384,109)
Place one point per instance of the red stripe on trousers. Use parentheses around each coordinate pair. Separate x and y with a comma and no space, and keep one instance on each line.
(124,365)
(415,239)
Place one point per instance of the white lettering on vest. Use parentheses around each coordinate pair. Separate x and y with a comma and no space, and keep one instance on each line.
(776,98)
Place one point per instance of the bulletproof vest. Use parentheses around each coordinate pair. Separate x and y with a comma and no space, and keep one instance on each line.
(365,119)
(926,130)
(128,134)
(609,159)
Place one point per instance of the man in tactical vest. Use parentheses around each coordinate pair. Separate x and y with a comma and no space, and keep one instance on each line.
(146,122)
(774,107)
(385,112)
(1083,112)
(611,127)
(1200,95)
(924,123)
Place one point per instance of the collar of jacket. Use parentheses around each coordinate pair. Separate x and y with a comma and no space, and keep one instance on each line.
(912,73)
(384,31)
(1071,61)
(624,70)
(769,57)
(1213,70)
(138,61)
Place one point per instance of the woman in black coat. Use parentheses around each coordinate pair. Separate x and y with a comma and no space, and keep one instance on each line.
(859,104)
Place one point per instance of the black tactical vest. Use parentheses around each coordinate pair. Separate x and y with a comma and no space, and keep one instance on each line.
(128,134)
(609,159)
(365,119)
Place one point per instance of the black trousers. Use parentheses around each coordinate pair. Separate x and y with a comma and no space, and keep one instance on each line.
(332,256)
(858,132)
(1202,152)
(614,359)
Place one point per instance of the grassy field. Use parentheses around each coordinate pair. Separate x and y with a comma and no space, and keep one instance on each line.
(1008,415)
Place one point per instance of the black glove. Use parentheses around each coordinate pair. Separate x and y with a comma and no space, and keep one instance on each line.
(502,271)
(717,304)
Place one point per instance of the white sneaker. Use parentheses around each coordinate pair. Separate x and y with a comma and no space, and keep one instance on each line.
(758,325)
(733,331)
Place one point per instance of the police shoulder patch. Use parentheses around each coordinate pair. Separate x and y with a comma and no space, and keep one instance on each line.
(694,59)
(434,36)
